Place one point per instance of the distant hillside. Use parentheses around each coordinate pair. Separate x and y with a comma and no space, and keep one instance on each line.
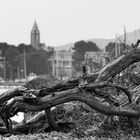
(99,42)
(131,37)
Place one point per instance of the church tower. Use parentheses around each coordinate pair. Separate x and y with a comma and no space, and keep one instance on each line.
(35,36)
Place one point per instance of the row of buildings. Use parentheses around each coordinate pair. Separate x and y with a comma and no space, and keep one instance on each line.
(62,63)
(62,60)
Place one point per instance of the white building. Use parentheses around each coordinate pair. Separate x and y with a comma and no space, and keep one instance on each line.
(62,64)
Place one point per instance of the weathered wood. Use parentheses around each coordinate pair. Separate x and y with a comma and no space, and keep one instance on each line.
(50,119)
(10,94)
(75,95)
(36,124)
(104,74)
(105,84)
(46,98)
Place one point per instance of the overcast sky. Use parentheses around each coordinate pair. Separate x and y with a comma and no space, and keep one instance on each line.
(64,21)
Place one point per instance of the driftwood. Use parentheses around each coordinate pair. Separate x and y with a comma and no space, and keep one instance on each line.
(90,93)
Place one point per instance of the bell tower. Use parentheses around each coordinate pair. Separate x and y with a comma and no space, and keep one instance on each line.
(35,36)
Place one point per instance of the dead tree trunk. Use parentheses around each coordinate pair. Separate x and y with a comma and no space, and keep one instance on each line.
(72,90)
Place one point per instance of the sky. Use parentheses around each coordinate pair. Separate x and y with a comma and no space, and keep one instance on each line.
(65,21)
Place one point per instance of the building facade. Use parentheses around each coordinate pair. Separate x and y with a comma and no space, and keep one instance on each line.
(35,36)
(62,64)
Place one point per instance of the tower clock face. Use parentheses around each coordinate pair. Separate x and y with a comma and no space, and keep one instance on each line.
(37,32)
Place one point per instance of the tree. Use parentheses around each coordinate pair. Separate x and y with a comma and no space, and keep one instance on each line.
(11,62)
(110,48)
(37,60)
(80,48)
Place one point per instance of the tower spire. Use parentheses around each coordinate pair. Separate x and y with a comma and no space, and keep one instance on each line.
(35,36)
(35,27)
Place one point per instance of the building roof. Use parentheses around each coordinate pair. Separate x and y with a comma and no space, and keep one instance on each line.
(35,27)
